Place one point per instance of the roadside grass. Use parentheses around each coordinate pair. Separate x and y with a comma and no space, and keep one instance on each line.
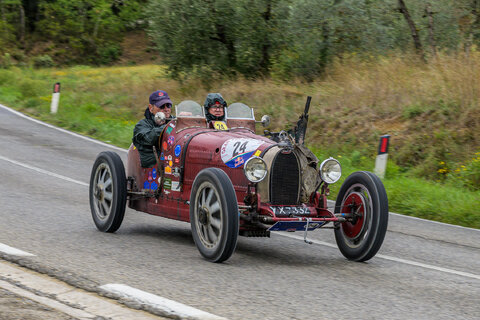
(435,130)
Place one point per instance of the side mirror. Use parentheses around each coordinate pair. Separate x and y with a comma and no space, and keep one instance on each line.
(160,118)
(266,121)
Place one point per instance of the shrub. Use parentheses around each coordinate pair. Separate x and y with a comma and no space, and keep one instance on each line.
(469,174)
(44,61)
(109,54)
(6,61)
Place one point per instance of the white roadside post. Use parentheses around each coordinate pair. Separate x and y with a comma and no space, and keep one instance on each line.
(55,98)
(381,161)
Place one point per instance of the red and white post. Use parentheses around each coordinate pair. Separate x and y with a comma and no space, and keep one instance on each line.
(381,161)
(55,98)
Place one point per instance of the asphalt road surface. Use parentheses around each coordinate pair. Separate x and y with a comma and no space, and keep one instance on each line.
(424,270)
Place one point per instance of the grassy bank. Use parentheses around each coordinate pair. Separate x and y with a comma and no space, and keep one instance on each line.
(432,113)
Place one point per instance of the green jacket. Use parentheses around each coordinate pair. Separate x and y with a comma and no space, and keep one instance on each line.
(145,136)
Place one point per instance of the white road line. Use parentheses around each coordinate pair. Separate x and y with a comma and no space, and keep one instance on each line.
(395,259)
(61,130)
(13,251)
(125,150)
(331,203)
(44,171)
(428,266)
(431,267)
(166,306)
(432,221)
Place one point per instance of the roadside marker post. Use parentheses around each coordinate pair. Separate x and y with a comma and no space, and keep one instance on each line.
(55,98)
(381,161)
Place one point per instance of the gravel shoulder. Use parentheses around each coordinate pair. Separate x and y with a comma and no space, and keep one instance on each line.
(16,307)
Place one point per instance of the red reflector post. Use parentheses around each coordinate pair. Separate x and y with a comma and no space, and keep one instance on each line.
(381,161)
(55,98)
(56,87)
(384,142)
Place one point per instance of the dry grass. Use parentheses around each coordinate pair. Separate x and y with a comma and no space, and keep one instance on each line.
(432,111)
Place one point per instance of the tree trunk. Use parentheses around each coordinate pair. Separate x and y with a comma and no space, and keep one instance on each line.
(222,36)
(416,38)
(265,62)
(469,37)
(21,35)
(431,33)
(2,12)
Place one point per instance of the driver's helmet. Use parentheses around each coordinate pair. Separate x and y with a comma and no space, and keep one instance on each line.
(214,99)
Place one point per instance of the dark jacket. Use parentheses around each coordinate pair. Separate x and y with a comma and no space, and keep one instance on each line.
(145,136)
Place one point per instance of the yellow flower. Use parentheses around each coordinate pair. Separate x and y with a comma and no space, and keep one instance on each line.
(442,162)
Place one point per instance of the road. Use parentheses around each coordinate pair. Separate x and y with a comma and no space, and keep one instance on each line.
(424,270)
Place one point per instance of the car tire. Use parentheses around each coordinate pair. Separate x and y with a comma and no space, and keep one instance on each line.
(214,215)
(360,239)
(108,191)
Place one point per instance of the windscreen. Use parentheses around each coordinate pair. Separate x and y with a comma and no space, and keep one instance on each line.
(189,108)
(239,110)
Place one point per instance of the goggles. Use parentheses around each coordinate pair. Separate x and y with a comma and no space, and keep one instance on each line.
(217,104)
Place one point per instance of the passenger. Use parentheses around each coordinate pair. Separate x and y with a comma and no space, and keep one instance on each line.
(147,131)
(215,107)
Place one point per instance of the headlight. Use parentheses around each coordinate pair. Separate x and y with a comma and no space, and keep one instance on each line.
(330,171)
(255,169)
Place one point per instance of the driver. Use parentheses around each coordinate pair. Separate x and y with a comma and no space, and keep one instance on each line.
(147,131)
(215,107)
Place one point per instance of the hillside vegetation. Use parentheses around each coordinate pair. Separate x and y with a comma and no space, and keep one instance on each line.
(432,112)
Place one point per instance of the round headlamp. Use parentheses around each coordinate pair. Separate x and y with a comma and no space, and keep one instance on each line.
(330,171)
(255,169)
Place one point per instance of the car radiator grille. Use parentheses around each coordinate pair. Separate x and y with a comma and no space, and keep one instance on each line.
(284,179)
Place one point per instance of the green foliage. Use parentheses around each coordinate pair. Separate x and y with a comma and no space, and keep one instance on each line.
(105,103)
(43,61)
(6,61)
(467,175)
(413,111)
(429,200)
(221,37)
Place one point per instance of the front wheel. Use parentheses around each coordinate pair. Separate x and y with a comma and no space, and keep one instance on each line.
(108,191)
(363,198)
(214,215)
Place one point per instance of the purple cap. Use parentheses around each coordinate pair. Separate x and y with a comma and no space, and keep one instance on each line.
(159,98)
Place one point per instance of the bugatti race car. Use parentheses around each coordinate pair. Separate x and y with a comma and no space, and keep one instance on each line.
(228,181)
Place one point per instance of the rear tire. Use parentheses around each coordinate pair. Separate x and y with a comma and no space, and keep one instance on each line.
(108,191)
(214,215)
(363,193)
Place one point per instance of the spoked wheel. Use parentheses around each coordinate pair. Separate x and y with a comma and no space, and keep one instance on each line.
(363,198)
(214,215)
(108,191)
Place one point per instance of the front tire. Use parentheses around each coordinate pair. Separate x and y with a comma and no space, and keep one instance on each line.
(214,215)
(108,191)
(363,195)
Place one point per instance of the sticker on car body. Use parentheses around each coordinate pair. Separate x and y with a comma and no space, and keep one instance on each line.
(175,186)
(178,150)
(236,151)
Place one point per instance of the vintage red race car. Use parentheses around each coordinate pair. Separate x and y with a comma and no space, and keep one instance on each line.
(228,181)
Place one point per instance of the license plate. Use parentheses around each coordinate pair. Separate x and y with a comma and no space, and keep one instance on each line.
(295,226)
(285,211)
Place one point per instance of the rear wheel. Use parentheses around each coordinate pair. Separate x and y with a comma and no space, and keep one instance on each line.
(108,191)
(362,196)
(214,215)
